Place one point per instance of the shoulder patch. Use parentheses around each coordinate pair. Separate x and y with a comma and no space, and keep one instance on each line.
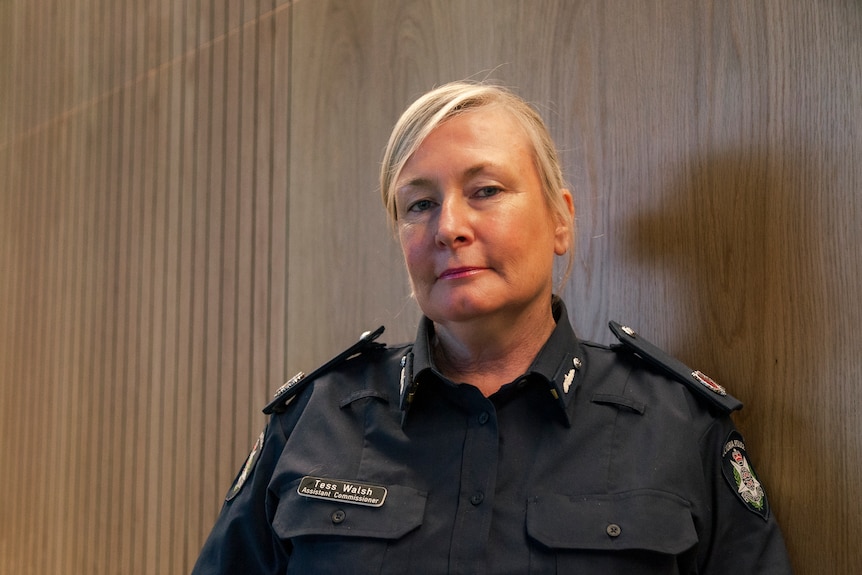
(740,475)
(300,380)
(699,383)
(247,468)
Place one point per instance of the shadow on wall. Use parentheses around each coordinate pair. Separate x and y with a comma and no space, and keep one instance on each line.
(741,239)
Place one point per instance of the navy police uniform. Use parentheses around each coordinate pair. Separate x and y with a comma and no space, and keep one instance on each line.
(594,461)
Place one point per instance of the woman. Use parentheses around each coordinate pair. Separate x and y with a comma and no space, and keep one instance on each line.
(497,442)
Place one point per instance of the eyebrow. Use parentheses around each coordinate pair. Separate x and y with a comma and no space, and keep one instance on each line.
(416,183)
(429,183)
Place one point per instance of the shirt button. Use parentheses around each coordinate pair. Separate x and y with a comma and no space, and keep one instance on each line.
(613,530)
(477,498)
(483,418)
(338,516)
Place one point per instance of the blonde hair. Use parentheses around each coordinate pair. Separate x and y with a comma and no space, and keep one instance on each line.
(450,100)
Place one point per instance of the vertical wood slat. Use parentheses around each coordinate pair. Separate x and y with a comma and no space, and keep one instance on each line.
(8,77)
(279,147)
(184,190)
(193,440)
(213,328)
(117,373)
(170,407)
(170,171)
(23,441)
(40,194)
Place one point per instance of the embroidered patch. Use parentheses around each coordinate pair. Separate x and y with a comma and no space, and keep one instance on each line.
(342,491)
(247,468)
(740,475)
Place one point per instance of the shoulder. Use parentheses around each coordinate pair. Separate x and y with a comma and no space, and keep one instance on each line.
(702,386)
(355,363)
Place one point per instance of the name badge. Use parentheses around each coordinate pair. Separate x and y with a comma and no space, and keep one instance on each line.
(342,491)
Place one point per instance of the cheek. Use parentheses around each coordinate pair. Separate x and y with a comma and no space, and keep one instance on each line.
(412,249)
(416,261)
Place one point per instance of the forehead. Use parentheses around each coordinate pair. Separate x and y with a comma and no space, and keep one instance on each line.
(490,131)
(489,122)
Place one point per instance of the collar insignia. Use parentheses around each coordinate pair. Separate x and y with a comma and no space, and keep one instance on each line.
(570,376)
(708,382)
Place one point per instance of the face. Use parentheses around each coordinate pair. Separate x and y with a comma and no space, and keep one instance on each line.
(477,234)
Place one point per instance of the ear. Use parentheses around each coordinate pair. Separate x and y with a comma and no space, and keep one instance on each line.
(563,233)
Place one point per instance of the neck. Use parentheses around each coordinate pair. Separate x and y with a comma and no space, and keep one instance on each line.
(490,354)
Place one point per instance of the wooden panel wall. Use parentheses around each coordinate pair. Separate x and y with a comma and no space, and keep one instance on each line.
(143,164)
(188,215)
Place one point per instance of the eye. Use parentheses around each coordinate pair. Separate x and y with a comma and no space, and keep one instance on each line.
(487,191)
(420,206)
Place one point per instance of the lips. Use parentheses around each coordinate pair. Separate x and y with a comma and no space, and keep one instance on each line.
(457,273)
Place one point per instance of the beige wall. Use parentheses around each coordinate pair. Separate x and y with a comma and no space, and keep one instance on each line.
(188,216)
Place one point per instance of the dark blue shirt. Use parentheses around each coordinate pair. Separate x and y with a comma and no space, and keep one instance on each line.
(591,462)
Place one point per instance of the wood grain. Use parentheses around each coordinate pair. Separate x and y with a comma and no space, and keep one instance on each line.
(189,214)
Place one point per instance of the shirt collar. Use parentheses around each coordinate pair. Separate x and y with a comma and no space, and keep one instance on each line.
(557,363)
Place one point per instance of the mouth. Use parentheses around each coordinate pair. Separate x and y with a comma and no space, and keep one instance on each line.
(458,273)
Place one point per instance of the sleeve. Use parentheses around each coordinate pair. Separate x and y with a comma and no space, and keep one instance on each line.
(242,540)
(744,534)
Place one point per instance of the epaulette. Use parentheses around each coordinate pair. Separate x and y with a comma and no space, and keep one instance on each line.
(698,382)
(300,380)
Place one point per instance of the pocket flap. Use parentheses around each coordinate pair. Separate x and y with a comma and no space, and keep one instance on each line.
(401,512)
(644,519)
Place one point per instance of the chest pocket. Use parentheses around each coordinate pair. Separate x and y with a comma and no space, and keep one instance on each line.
(327,536)
(644,531)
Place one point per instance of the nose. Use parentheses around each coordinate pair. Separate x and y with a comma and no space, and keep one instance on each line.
(454,226)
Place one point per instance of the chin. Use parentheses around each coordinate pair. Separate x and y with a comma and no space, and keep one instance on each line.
(458,309)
